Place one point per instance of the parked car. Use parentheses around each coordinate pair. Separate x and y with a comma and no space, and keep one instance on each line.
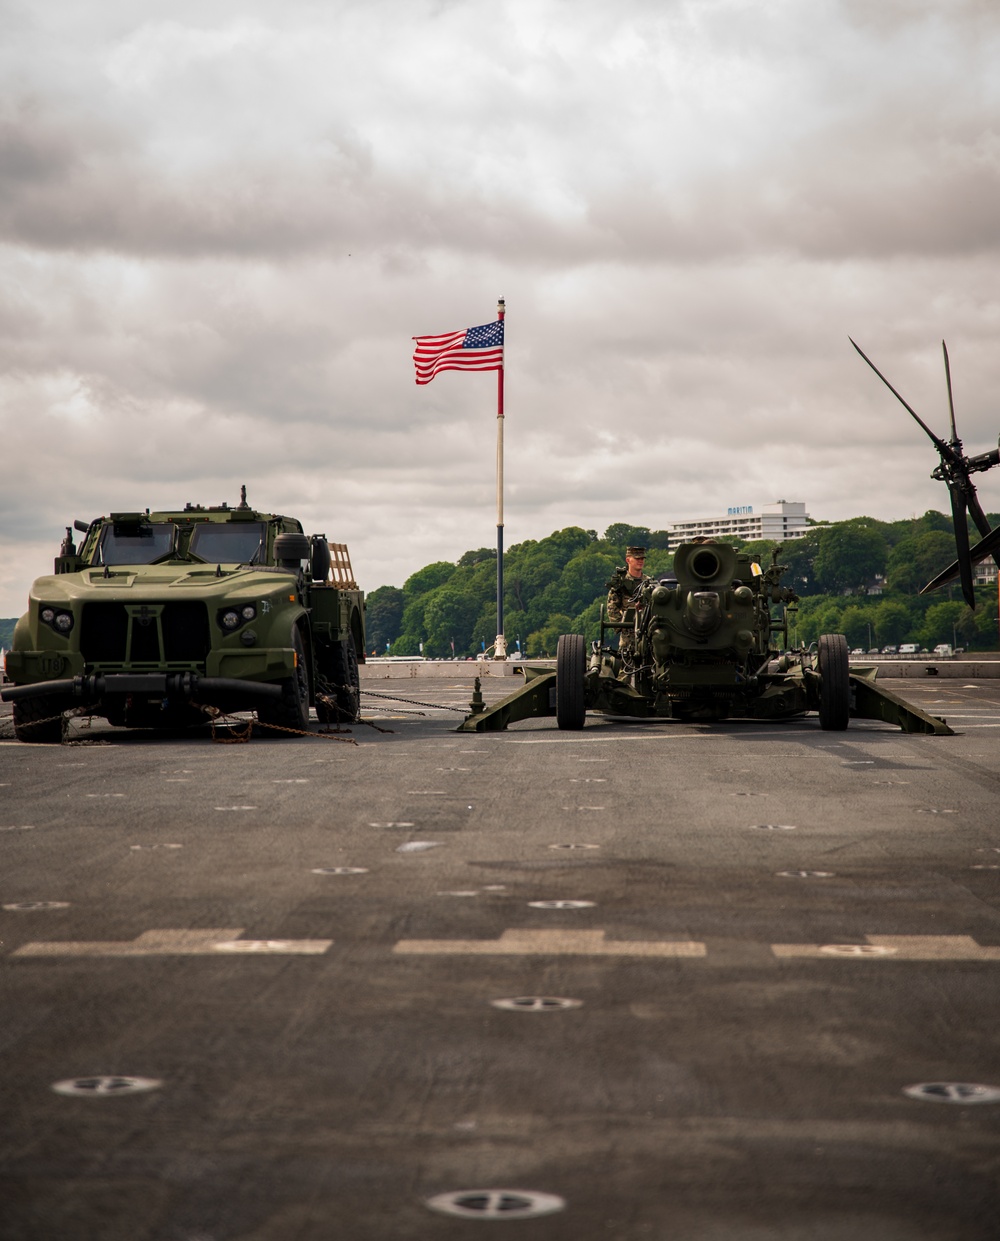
(888,650)
(909,648)
(943,650)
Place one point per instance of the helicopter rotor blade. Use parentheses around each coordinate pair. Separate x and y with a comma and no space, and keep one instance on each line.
(958,513)
(989,546)
(956,443)
(978,515)
(947,452)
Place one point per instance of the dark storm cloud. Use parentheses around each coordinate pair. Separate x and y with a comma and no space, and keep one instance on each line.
(73,185)
(622,153)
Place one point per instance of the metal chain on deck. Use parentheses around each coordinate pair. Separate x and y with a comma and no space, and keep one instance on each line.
(335,706)
(217,717)
(242,730)
(327,694)
(65,717)
(415,702)
(226,719)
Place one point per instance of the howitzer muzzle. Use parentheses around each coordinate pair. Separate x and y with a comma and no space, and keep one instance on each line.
(701,565)
(705,564)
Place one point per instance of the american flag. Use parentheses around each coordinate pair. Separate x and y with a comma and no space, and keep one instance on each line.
(475,349)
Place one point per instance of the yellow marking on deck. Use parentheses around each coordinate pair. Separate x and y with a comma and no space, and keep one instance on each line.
(550,943)
(895,948)
(213,943)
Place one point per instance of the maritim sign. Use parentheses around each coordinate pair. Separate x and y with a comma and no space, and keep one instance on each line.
(784,519)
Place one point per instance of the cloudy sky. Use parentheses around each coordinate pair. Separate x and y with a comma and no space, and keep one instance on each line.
(221,224)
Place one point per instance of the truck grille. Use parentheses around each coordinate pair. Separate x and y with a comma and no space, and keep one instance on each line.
(172,633)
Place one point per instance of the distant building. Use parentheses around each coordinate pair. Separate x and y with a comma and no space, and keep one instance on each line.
(782,520)
(874,586)
(986,573)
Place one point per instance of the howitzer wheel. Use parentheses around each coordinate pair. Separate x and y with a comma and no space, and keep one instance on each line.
(835,685)
(571,666)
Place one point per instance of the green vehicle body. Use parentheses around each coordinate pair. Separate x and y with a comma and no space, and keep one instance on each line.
(158,616)
(710,642)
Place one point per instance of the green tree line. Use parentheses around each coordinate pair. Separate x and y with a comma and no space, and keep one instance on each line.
(859,577)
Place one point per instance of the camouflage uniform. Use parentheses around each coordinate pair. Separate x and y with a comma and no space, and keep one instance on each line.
(622,589)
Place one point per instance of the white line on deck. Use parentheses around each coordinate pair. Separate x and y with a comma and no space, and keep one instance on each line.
(517,942)
(177,943)
(896,948)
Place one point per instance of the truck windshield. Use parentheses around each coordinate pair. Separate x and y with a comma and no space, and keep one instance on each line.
(241,543)
(140,544)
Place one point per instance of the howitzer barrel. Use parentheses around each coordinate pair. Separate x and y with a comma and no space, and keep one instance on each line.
(700,565)
(708,608)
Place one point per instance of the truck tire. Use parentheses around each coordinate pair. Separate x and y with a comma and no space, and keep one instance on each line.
(835,685)
(291,710)
(571,706)
(40,719)
(346,682)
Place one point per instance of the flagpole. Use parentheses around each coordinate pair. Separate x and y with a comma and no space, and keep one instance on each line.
(500,645)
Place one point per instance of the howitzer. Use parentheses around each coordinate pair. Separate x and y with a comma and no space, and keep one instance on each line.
(708,642)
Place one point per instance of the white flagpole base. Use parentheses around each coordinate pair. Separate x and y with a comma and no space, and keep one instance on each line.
(500,647)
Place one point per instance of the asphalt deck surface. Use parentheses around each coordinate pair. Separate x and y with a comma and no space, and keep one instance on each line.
(302,942)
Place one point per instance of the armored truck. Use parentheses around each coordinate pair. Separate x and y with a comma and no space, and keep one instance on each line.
(161,619)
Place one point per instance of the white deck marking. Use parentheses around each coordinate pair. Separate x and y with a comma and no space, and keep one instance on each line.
(519,943)
(896,948)
(176,943)
(609,740)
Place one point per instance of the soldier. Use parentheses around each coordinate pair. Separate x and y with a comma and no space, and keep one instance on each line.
(625,582)
(623,588)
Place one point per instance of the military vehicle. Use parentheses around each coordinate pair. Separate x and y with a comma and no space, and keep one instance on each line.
(707,642)
(162,618)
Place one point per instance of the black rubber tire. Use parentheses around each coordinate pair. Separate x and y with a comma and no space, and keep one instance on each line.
(28,710)
(571,667)
(346,682)
(292,709)
(835,685)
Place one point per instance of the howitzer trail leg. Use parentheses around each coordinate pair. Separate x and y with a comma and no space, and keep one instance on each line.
(535,698)
(872,702)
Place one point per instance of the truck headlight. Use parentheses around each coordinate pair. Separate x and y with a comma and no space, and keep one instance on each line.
(56,618)
(230,619)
